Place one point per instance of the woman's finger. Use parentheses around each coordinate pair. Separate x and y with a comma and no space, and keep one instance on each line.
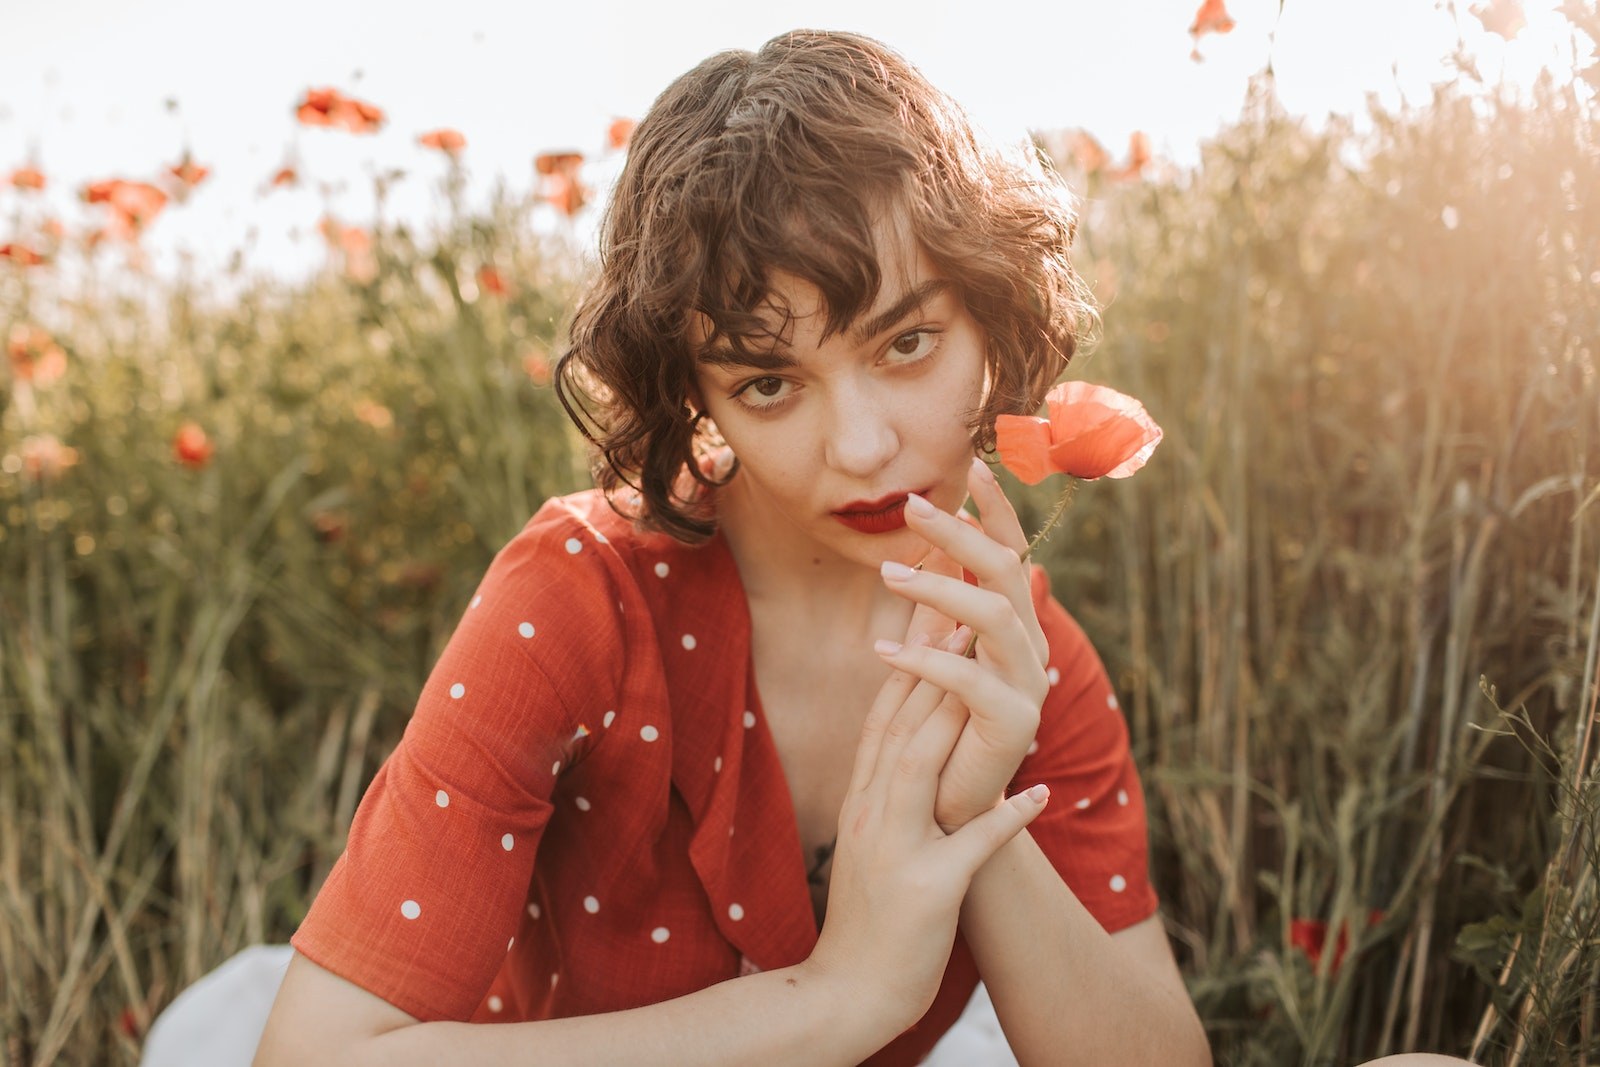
(973,685)
(891,695)
(973,844)
(1003,636)
(897,733)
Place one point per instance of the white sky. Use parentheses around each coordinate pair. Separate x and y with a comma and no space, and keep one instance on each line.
(83,84)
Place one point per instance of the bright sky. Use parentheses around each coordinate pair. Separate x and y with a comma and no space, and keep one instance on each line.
(83,85)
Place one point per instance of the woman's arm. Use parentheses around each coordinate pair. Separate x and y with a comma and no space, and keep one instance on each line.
(1058,980)
(795,1015)
(894,901)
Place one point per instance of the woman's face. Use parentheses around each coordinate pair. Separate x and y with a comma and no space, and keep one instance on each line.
(832,434)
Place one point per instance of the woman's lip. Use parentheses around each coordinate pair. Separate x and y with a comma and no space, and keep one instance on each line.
(885,503)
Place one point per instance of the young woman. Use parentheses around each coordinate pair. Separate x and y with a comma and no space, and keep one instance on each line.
(704,776)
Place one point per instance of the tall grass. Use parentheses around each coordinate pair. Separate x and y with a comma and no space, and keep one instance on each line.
(1353,604)
(1352,608)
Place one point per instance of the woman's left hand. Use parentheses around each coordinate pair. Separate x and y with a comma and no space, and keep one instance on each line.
(992,700)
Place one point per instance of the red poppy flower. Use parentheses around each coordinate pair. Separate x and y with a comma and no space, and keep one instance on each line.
(560,185)
(53,229)
(490,281)
(191,445)
(44,457)
(1091,432)
(1138,157)
(133,204)
(1311,935)
(26,178)
(619,133)
(285,176)
(445,140)
(360,262)
(537,366)
(188,172)
(329,107)
(20,254)
(1504,17)
(1212,17)
(35,356)
(1089,155)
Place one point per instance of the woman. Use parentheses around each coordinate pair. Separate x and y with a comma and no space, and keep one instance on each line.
(704,775)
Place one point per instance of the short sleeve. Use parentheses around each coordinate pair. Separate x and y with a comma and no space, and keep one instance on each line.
(422,906)
(1094,829)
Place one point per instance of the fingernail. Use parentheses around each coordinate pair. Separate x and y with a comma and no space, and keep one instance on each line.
(885,647)
(897,572)
(957,640)
(920,507)
(1039,793)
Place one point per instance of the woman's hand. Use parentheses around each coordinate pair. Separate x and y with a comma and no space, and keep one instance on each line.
(894,898)
(991,700)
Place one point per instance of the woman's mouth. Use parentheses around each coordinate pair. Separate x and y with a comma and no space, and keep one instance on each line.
(884,515)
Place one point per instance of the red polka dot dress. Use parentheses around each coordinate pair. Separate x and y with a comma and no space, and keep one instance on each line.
(587,813)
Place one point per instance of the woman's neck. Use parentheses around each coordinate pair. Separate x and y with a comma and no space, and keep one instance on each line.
(814,588)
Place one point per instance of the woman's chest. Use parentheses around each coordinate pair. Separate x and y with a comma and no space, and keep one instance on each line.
(814,711)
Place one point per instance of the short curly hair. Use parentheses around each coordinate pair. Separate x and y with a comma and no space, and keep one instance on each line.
(781,160)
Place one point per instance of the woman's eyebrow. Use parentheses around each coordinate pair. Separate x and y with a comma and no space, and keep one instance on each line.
(775,358)
(902,307)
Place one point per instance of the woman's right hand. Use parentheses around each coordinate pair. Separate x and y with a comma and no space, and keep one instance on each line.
(894,898)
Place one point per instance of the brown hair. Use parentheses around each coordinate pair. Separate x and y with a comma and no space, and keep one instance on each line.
(779,160)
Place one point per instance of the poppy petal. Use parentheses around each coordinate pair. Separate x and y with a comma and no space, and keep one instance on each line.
(1023,444)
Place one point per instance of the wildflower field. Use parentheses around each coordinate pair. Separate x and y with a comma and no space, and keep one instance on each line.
(1352,605)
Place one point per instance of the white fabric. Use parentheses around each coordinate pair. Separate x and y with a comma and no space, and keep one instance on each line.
(217,1022)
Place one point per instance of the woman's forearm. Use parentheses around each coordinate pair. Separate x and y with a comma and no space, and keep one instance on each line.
(788,1016)
(1059,981)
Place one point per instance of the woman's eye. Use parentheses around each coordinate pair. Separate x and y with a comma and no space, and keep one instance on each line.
(763,394)
(913,346)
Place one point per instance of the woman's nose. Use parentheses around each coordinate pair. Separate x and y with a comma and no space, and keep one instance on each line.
(860,436)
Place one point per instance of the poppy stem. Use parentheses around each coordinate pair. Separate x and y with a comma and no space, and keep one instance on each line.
(1053,518)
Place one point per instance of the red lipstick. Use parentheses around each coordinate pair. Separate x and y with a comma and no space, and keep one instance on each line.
(884,515)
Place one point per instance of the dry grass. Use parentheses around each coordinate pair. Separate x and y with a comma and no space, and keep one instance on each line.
(1351,607)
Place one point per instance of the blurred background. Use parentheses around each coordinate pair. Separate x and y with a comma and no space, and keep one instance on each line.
(281,294)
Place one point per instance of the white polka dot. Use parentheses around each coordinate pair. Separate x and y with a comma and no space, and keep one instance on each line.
(1118,883)
(660,934)
(1033,746)
(525,629)
(591,905)
(555,768)
(574,546)
(509,943)
(735,912)
(730,831)
(457,691)
(508,842)
(661,570)
(442,799)
(581,803)
(410,909)
(610,718)
(554,978)
(1122,797)
(649,733)
(1052,676)
(749,719)
(533,911)
(717,766)
(495,1004)
(688,641)
(1111,700)
(1081,804)
(476,601)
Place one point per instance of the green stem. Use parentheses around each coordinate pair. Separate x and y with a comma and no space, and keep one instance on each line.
(1050,523)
